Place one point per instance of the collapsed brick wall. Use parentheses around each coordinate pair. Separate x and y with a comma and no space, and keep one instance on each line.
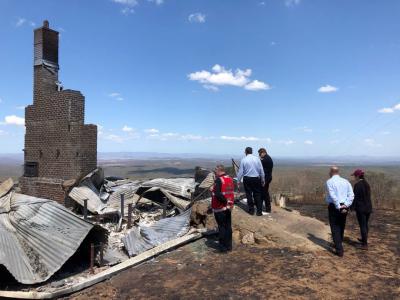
(58,145)
(47,188)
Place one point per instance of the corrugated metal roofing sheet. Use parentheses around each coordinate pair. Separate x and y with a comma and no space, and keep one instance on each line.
(104,196)
(142,237)
(183,187)
(37,236)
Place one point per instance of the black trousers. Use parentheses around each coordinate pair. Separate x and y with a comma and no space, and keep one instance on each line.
(337,222)
(224,221)
(253,189)
(363,219)
(265,197)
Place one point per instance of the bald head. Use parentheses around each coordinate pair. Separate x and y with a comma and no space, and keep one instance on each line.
(334,170)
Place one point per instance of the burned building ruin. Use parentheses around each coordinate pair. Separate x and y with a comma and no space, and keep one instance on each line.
(58,145)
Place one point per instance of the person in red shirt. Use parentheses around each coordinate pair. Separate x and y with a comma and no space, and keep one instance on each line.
(222,203)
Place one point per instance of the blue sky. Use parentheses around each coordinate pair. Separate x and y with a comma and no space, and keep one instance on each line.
(299,77)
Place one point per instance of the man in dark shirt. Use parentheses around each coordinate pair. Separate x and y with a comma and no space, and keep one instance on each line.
(268,165)
(362,205)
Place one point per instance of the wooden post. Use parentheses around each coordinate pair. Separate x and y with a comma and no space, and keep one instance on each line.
(165,202)
(129,215)
(122,204)
(101,254)
(92,258)
(85,209)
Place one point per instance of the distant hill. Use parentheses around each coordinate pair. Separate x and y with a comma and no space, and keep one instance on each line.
(17,158)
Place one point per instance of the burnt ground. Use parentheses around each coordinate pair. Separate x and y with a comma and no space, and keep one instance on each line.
(196,271)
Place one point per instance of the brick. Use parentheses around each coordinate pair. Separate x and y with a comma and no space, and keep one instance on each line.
(56,138)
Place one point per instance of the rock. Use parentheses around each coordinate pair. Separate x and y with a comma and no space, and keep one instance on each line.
(236,236)
(248,239)
(260,239)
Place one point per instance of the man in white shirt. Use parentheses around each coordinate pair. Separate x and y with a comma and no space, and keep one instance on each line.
(253,179)
(339,196)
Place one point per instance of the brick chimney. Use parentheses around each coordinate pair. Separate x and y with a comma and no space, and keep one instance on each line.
(58,144)
(45,60)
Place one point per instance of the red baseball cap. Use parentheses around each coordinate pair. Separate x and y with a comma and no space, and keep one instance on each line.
(358,173)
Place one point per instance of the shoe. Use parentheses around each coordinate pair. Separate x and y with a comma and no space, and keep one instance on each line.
(364,247)
(340,253)
(259,214)
(251,212)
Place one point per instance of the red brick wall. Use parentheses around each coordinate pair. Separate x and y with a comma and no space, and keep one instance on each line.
(56,137)
(46,188)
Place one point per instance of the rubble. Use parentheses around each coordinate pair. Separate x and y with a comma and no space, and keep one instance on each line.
(37,236)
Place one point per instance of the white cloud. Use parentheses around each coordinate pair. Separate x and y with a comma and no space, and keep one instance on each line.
(386,110)
(155,134)
(328,89)
(291,3)
(389,110)
(21,107)
(20,22)
(191,137)
(128,6)
(116,96)
(272,43)
(127,128)
(197,18)
(244,138)
(152,131)
(14,120)
(262,3)
(127,10)
(99,130)
(126,2)
(211,87)
(158,2)
(372,143)
(1,100)
(221,76)
(336,130)
(114,138)
(256,85)
(2,132)
(385,132)
(308,142)
(170,134)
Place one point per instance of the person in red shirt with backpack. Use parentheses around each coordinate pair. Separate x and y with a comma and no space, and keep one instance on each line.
(222,203)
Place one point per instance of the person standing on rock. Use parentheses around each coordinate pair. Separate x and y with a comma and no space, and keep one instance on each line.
(267,165)
(222,203)
(253,180)
(339,196)
(362,205)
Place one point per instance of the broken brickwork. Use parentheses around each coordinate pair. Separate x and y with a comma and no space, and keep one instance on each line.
(58,145)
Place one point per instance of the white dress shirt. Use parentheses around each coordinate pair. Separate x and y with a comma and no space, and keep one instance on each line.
(251,166)
(339,190)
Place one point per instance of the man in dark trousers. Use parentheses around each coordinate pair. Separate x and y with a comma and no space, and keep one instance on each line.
(222,203)
(339,196)
(253,180)
(362,205)
(268,165)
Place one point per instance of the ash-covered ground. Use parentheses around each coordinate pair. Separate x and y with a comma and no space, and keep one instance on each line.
(260,271)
